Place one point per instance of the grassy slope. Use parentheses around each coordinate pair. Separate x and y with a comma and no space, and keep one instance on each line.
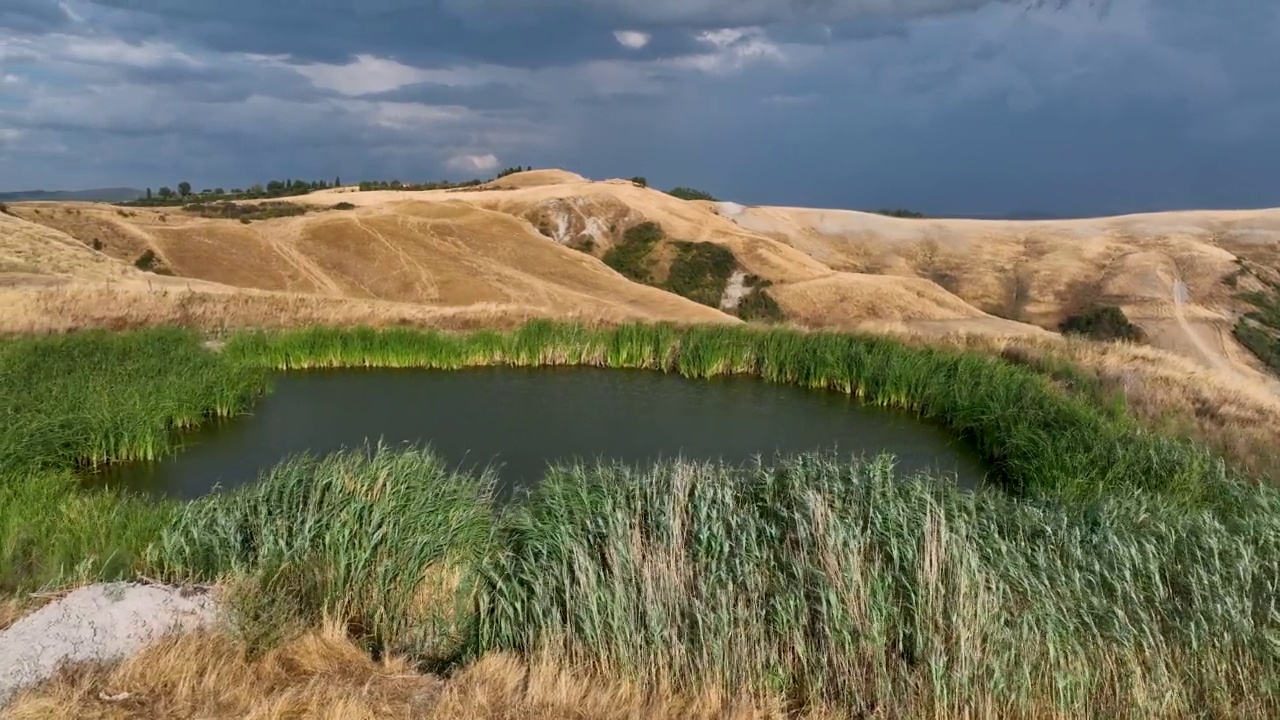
(1133,576)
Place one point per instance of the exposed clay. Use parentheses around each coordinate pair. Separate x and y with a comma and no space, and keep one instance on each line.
(98,623)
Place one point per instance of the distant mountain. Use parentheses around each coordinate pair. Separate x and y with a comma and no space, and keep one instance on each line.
(115,194)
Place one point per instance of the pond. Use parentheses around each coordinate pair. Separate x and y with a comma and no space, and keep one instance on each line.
(521,420)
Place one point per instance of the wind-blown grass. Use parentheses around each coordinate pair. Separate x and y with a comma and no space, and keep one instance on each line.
(835,583)
(1039,440)
(383,541)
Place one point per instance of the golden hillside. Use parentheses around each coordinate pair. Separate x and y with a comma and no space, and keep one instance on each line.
(530,245)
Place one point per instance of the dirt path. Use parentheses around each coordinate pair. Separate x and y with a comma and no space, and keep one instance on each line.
(1180,297)
(284,247)
(408,264)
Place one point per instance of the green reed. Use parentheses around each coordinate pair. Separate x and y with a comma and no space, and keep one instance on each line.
(383,541)
(830,582)
(84,399)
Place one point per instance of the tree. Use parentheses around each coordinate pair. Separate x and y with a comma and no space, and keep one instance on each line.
(640,181)
(148,193)
(184,188)
(165,193)
(337,181)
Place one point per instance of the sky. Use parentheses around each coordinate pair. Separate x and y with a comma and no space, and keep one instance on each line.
(960,107)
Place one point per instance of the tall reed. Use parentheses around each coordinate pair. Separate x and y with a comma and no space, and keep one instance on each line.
(85,399)
(835,583)
(384,541)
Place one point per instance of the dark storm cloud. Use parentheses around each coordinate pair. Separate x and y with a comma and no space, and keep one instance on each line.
(950,106)
(32,16)
(530,33)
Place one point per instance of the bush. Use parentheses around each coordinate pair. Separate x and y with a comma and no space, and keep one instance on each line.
(639,181)
(1102,323)
(898,213)
(344,206)
(685,193)
(758,305)
(146,261)
(244,212)
(700,272)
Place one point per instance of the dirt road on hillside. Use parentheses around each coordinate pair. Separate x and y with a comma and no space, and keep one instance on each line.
(1215,358)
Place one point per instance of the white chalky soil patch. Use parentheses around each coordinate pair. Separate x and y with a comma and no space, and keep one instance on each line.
(98,623)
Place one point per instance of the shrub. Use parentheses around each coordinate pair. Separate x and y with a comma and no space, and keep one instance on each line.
(630,256)
(685,193)
(898,213)
(700,271)
(146,261)
(639,181)
(1102,323)
(758,305)
(344,206)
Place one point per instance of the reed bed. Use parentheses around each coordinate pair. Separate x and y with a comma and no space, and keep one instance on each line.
(383,541)
(836,584)
(67,402)
(1039,440)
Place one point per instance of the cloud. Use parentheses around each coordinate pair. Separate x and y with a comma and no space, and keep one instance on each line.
(725,13)
(33,16)
(632,39)
(473,163)
(923,93)
(732,49)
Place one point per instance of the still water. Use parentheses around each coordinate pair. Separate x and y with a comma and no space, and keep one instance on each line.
(521,420)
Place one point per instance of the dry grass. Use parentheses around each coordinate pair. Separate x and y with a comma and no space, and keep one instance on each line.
(122,307)
(321,674)
(14,608)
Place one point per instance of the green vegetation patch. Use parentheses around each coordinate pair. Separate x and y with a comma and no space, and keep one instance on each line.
(686,193)
(758,304)
(630,256)
(1107,322)
(384,540)
(1259,329)
(700,271)
(79,400)
(255,211)
(898,213)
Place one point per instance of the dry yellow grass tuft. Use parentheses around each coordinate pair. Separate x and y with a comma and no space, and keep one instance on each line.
(322,675)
